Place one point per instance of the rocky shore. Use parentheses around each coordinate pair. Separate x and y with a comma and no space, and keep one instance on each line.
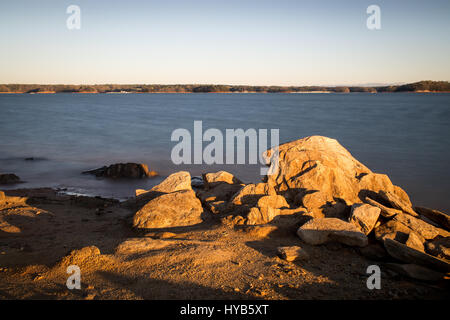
(309,231)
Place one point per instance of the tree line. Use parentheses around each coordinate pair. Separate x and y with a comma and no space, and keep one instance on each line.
(422,86)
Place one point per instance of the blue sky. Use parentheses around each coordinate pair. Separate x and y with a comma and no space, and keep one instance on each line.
(230,42)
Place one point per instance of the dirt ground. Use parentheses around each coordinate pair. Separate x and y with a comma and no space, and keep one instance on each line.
(39,229)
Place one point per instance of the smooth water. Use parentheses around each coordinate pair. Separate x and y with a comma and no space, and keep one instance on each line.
(403,135)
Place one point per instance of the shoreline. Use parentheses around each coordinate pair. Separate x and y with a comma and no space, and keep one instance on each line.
(220,238)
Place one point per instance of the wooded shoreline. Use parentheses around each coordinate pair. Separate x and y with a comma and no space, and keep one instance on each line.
(422,86)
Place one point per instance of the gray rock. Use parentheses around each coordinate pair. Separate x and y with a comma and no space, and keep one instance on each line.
(364,216)
(319,231)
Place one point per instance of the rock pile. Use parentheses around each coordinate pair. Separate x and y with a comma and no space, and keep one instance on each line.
(318,179)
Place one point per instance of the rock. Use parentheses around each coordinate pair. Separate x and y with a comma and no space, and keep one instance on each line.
(364,216)
(398,203)
(320,163)
(406,254)
(2,196)
(261,232)
(385,211)
(392,230)
(426,230)
(212,178)
(292,253)
(197,182)
(220,192)
(180,208)
(80,256)
(123,170)
(315,201)
(9,178)
(216,197)
(269,207)
(374,251)
(217,207)
(415,241)
(250,194)
(141,245)
(319,231)
(439,217)
(439,247)
(175,182)
(161,235)
(415,271)
(138,192)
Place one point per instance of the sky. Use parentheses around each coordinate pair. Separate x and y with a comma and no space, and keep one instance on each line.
(244,42)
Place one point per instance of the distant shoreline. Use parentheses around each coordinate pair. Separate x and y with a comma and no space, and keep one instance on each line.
(417,87)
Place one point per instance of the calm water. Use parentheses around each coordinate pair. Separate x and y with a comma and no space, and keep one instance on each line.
(403,135)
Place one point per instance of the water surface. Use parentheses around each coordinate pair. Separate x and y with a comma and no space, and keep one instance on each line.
(404,135)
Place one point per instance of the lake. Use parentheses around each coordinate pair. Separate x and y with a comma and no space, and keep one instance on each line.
(405,135)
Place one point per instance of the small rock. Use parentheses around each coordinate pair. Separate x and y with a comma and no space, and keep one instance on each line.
(364,216)
(292,253)
(415,241)
(175,182)
(212,178)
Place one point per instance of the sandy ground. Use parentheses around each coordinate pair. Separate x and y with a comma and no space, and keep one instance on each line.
(39,229)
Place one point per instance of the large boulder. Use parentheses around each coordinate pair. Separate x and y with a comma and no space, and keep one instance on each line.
(123,170)
(320,231)
(319,163)
(180,208)
(9,178)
